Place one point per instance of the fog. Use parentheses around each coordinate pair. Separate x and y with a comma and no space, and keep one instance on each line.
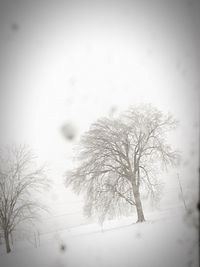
(64,64)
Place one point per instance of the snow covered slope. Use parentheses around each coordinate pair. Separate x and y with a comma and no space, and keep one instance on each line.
(166,242)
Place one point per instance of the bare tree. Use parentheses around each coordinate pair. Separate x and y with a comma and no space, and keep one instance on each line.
(117,158)
(19,179)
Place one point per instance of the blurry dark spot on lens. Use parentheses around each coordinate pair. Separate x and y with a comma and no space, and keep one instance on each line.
(63,247)
(68,131)
(14,27)
(198,206)
(70,136)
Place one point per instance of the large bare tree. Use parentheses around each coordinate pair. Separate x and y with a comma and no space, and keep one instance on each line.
(19,179)
(119,157)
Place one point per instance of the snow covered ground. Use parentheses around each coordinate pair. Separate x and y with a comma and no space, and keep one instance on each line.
(166,239)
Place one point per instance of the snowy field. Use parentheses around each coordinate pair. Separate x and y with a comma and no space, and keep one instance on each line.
(166,239)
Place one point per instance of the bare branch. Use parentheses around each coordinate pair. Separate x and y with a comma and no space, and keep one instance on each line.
(117,156)
(19,179)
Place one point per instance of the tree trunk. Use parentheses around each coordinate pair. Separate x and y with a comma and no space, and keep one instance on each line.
(138,203)
(6,236)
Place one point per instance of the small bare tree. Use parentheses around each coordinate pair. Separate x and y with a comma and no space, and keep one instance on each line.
(120,157)
(19,179)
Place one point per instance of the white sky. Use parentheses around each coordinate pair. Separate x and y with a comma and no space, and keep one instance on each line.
(72,61)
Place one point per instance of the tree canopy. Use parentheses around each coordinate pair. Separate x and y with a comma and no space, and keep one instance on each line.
(20,177)
(118,157)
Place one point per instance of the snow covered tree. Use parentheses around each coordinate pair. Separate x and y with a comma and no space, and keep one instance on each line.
(19,179)
(119,157)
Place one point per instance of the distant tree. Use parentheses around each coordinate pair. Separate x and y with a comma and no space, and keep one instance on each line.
(19,179)
(119,157)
